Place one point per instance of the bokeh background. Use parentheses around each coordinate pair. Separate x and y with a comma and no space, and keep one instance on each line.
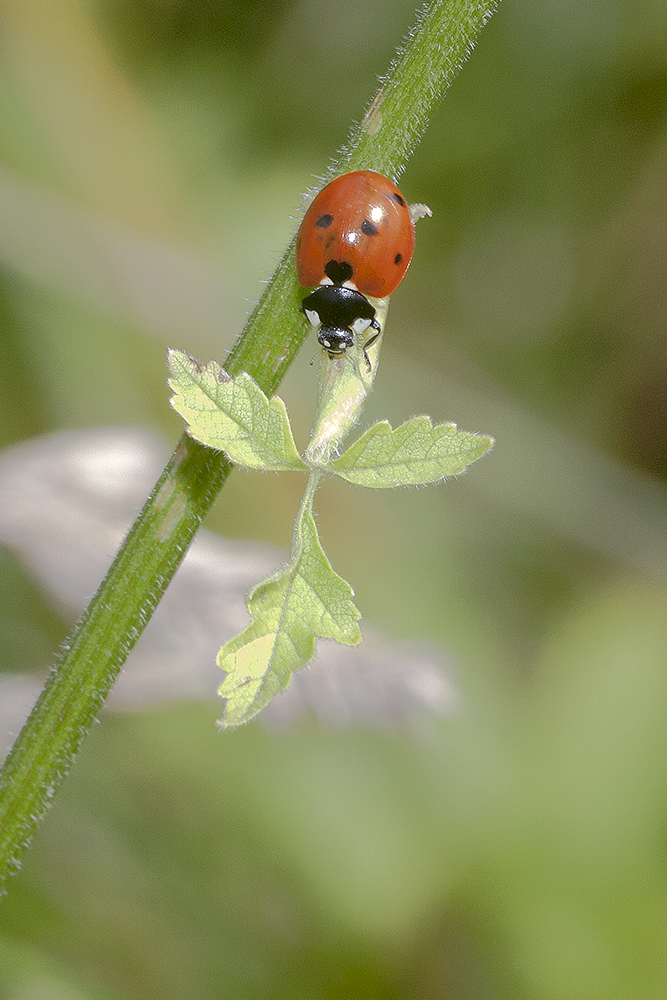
(153,155)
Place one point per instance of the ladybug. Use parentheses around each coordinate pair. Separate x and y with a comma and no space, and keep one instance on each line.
(356,240)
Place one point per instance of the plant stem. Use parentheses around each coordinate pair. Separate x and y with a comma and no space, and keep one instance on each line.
(152,551)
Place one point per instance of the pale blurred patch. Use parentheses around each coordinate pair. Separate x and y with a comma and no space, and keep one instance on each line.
(65,503)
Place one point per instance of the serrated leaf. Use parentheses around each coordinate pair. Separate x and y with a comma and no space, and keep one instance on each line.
(413,454)
(302,601)
(233,415)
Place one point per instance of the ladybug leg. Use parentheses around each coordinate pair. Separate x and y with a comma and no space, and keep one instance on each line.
(371,340)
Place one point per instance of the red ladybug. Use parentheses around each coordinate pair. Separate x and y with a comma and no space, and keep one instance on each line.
(356,240)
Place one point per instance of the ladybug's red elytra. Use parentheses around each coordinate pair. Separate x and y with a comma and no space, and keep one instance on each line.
(356,240)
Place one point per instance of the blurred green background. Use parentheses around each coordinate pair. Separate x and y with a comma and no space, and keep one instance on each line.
(153,155)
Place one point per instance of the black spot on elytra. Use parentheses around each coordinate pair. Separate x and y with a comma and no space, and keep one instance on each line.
(324,221)
(398,259)
(368,229)
(398,198)
(338,271)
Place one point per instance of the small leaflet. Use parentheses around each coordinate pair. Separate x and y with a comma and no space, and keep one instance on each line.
(416,453)
(233,415)
(290,608)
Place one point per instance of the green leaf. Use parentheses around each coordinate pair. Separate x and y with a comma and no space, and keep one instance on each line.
(344,385)
(232,415)
(414,454)
(293,606)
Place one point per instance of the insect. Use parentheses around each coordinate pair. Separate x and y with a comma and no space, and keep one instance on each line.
(356,240)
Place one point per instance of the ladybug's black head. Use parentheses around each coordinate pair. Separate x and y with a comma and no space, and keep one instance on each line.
(334,340)
(339,313)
